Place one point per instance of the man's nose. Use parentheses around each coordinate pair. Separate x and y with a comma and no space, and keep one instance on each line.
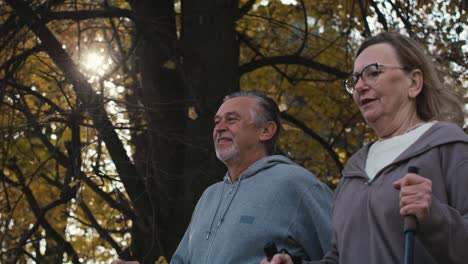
(220,126)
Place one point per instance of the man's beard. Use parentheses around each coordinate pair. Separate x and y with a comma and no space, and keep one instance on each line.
(227,154)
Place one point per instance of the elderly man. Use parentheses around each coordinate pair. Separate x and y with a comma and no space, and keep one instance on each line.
(263,197)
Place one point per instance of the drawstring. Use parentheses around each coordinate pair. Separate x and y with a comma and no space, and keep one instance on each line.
(229,204)
(208,232)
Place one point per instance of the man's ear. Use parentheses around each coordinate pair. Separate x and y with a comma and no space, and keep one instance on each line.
(267,131)
(417,80)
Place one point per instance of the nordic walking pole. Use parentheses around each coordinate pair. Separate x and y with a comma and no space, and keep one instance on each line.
(410,226)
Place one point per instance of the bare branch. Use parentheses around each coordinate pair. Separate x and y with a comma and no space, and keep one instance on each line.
(40,213)
(121,205)
(316,137)
(39,96)
(258,53)
(110,12)
(55,152)
(406,22)
(90,101)
(102,232)
(244,9)
(291,60)
(364,17)
(306,30)
(380,16)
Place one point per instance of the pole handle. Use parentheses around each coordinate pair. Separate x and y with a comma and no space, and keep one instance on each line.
(270,250)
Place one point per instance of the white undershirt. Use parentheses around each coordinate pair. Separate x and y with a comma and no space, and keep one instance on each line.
(382,153)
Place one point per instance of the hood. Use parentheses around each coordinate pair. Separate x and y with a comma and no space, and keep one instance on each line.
(440,133)
(262,164)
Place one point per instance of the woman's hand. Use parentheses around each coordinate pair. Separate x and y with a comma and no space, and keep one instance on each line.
(415,195)
(278,259)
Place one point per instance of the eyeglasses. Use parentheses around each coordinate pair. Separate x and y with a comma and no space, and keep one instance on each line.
(369,75)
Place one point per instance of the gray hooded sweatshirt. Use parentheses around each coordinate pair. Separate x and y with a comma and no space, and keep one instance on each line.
(274,200)
(368,228)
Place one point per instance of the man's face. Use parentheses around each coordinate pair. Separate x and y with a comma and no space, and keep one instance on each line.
(235,134)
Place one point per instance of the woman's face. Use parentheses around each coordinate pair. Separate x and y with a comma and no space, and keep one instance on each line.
(385,97)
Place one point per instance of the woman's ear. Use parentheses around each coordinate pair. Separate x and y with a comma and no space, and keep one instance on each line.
(267,131)
(417,80)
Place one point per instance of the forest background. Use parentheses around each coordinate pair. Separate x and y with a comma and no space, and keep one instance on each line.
(107,107)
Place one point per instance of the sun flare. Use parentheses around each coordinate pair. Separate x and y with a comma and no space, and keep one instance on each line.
(93,61)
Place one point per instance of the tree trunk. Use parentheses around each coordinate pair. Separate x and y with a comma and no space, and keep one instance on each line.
(158,151)
(211,57)
(176,154)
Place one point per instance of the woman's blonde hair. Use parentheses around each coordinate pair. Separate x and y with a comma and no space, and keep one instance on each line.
(436,101)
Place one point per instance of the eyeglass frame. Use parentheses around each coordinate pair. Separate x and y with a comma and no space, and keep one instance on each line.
(352,89)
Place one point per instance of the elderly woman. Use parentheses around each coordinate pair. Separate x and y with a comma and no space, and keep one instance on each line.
(398,91)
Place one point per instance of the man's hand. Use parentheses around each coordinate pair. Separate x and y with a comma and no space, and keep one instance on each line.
(278,259)
(415,195)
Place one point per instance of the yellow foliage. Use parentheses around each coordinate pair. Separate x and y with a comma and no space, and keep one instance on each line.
(161,260)
(39,105)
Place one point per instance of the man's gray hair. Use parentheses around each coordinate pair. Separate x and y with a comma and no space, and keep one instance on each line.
(266,110)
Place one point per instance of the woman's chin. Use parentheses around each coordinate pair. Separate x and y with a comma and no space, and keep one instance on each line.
(370,117)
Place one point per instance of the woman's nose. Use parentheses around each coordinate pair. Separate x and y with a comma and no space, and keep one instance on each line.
(360,85)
